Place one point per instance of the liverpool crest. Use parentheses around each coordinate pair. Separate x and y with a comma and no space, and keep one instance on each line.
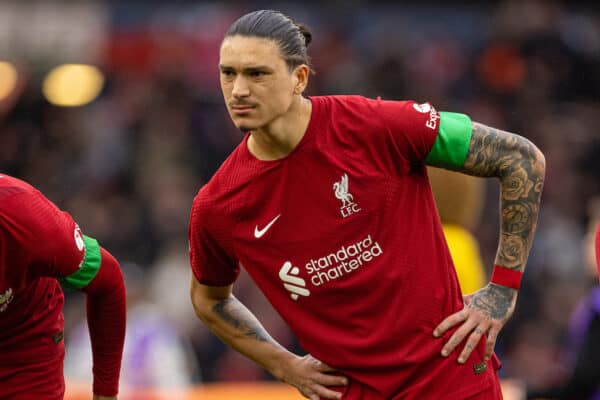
(341,191)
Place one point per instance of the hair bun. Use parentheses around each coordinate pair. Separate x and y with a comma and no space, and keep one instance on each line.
(306,33)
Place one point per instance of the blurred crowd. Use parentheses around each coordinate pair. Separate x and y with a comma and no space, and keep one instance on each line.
(127,165)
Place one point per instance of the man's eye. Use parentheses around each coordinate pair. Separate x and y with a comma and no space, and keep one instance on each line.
(227,73)
(257,74)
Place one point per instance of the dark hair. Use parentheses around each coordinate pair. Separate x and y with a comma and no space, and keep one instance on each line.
(292,38)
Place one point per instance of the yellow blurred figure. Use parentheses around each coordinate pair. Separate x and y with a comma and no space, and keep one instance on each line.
(467,260)
(459,199)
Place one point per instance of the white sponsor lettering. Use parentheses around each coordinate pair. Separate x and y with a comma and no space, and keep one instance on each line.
(433,114)
(328,268)
(342,262)
(433,119)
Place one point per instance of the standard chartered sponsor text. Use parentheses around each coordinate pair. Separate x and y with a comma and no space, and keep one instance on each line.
(342,262)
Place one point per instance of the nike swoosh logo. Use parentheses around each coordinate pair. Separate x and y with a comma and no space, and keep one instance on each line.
(258,233)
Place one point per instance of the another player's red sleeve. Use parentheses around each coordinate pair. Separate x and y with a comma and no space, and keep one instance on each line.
(598,250)
(106,321)
(412,127)
(46,237)
(211,260)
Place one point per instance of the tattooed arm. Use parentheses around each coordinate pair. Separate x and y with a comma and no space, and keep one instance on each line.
(235,325)
(520,167)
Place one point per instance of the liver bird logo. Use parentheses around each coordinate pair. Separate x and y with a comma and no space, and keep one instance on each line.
(341,191)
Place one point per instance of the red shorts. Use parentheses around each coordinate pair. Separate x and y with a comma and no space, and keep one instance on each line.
(470,386)
(42,380)
(494,392)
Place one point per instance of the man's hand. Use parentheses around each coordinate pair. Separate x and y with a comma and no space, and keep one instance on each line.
(485,313)
(311,377)
(96,397)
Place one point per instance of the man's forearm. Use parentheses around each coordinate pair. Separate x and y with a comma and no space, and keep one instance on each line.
(520,166)
(238,327)
(233,323)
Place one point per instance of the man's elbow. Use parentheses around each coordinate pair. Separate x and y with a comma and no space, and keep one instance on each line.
(536,154)
(539,160)
(202,308)
(201,302)
(198,304)
(532,155)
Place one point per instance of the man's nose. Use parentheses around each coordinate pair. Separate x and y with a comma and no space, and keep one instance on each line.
(240,87)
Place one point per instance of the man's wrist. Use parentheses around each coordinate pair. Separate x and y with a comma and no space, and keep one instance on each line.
(279,364)
(506,277)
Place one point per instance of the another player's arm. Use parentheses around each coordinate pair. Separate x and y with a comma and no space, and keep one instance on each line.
(520,167)
(99,277)
(56,248)
(233,323)
(106,318)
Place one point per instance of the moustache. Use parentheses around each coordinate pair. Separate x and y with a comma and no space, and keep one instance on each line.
(244,104)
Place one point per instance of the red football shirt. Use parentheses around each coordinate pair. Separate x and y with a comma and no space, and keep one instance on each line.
(38,243)
(343,238)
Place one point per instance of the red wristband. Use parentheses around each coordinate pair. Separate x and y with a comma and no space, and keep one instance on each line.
(506,277)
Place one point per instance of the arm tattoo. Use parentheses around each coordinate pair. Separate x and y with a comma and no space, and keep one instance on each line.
(239,317)
(520,167)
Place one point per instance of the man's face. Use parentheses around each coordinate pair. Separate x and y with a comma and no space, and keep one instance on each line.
(256,82)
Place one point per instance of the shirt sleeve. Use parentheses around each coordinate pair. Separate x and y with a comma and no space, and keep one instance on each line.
(47,237)
(106,314)
(422,134)
(598,250)
(211,253)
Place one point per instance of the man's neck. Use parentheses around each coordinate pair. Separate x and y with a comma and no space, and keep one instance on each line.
(280,137)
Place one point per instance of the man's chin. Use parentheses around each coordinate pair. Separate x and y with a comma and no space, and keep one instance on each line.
(245,127)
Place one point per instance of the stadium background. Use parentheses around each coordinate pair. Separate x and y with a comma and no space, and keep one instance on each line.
(127,164)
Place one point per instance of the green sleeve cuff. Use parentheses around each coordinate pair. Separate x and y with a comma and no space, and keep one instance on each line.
(452,142)
(88,270)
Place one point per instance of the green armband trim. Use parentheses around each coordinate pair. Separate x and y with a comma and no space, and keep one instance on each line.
(88,269)
(452,142)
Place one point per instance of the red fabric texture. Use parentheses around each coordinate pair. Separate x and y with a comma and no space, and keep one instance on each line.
(33,381)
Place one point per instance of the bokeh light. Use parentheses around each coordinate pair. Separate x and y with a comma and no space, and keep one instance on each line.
(8,79)
(72,85)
